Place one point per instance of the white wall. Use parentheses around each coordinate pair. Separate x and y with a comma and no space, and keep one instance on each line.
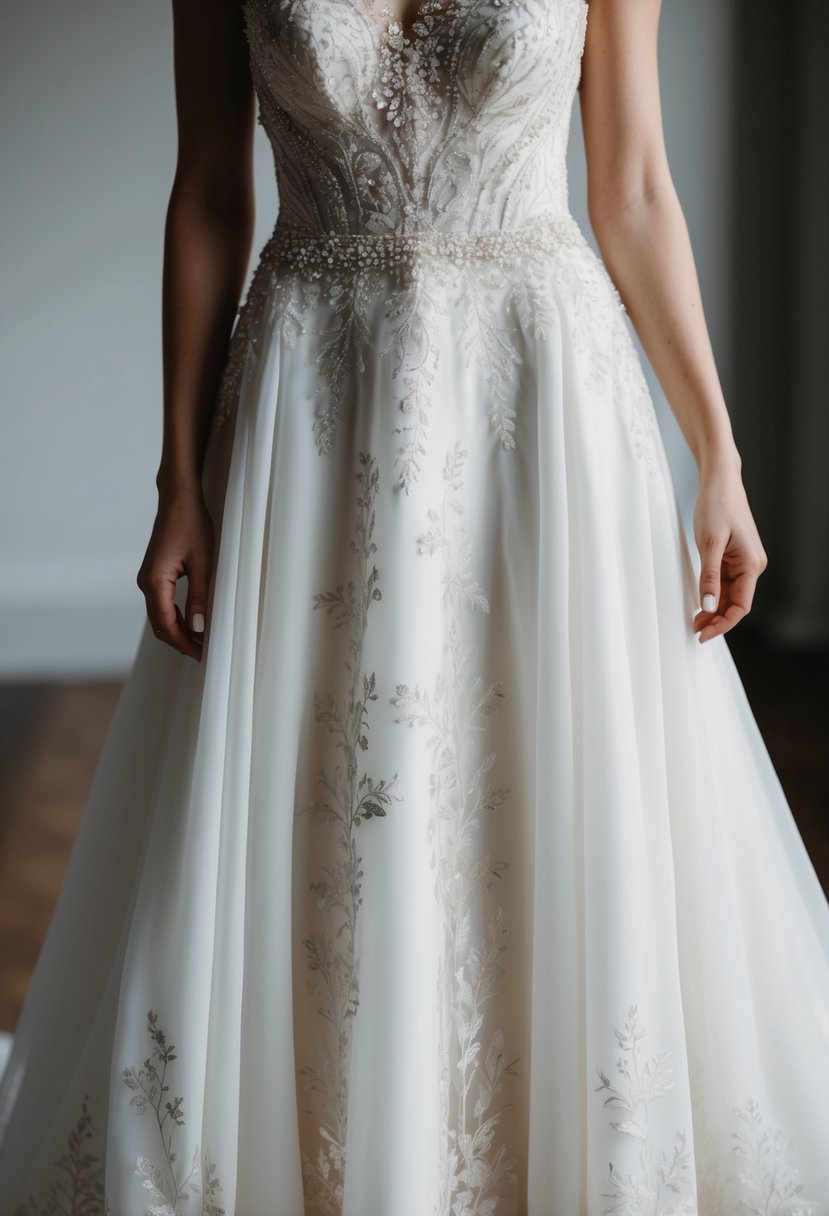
(88,148)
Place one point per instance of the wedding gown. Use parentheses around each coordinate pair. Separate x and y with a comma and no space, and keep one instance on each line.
(456,879)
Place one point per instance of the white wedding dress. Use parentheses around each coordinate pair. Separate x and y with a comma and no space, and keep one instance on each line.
(456,879)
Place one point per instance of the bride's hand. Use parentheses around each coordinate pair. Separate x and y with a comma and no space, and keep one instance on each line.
(731,552)
(181,543)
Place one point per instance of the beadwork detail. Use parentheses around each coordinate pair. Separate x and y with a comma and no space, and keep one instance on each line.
(312,253)
(477,1166)
(422,174)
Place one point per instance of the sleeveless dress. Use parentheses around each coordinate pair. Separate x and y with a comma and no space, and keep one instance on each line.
(456,880)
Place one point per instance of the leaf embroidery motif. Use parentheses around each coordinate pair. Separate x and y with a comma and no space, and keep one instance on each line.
(663,1186)
(477,1176)
(350,797)
(78,1187)
(170,1189)
(772,1182)
(459,128)
(767,1183)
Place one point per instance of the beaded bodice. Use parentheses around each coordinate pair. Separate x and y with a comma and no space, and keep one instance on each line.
(423,213)
(457,125)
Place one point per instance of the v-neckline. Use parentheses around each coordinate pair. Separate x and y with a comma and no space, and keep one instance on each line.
(388,20)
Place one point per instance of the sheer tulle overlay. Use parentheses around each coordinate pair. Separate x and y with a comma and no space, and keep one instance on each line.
(457,878)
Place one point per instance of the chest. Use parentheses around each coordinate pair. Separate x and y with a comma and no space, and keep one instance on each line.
(346,56)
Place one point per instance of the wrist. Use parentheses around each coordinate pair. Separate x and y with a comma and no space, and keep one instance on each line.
(715,452)
(175,484)
(719,461)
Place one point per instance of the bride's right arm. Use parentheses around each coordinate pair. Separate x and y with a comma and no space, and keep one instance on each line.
(207,241)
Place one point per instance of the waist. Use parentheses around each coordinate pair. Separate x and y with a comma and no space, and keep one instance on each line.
(314,253)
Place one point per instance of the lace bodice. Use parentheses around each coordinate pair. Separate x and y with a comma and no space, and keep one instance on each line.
(423,208)
(459,125)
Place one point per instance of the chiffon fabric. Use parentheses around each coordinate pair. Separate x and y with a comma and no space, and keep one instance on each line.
(456,879)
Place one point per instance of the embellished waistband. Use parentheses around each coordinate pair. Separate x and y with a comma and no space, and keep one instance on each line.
(314,253)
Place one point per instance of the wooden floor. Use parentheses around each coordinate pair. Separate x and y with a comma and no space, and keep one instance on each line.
(50,738)
(51,735)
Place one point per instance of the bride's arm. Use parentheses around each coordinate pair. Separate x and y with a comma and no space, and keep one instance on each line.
(207,243)
(643,237)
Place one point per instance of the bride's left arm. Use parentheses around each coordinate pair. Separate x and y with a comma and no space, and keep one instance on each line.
(641,231)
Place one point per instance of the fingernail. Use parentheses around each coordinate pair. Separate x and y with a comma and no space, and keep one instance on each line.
(709,604)
(198,622)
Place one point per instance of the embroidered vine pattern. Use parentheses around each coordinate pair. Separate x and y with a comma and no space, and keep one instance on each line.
(409,78)
(350,797)
(772,1182)
(476,1173)
(78,1187)
(414,312)
(766,1183)
(170,1188)
(458,129)
(630,388)
(414,317)
(660,1188)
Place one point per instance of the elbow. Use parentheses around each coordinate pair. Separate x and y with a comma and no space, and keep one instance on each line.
(220,204)
(221,191)
(616,208)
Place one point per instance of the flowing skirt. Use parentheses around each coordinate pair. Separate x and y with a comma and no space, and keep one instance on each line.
(456,878)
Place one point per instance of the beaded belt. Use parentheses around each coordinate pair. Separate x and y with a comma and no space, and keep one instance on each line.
(316,252)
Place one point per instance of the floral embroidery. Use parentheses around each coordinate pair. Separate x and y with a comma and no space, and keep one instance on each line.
(351,797)
(486,293)
(473,1068)
(768,1182)
(661,1186)
(462,125)
(78,1189)
(631,390)
(410,72)
(169,1188)
(772,1182)
(448,134)
(415,338)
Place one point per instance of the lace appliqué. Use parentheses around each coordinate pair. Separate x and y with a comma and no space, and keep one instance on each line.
(766,1181)
(170,1188)
(409,69)
(417,171)
(350,798)
(476,1172)
(661,1186)
(78,1185)
(496,283)
(770,1180)
(631,390)
(453,134)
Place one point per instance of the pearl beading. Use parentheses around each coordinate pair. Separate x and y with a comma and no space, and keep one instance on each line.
(314,253)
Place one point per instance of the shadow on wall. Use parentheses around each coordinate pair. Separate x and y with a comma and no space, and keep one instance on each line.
(780,243)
